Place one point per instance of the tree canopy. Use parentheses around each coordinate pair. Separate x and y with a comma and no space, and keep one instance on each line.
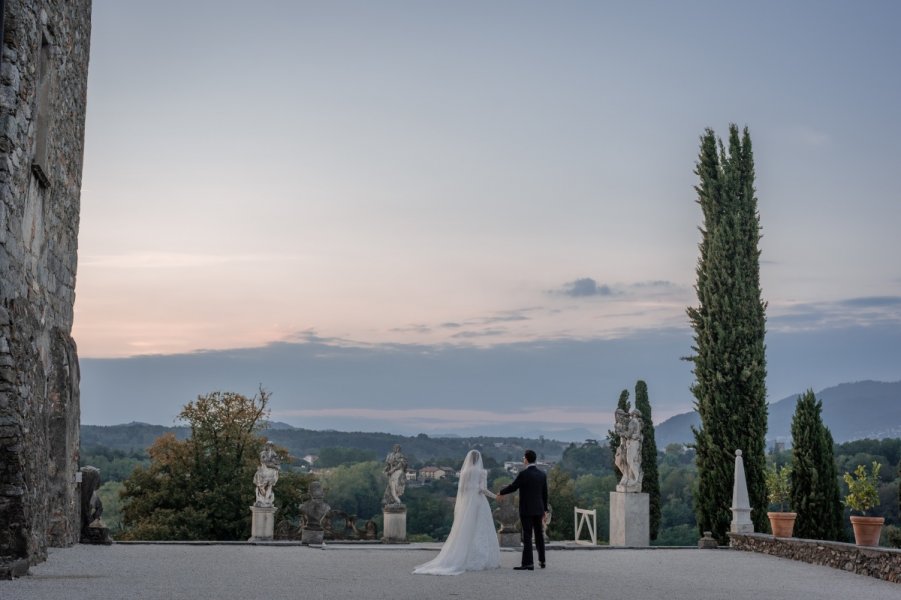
(729,359)
(201,488)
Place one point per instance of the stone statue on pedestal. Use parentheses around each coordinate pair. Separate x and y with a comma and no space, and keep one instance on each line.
(312,512)
(93,529)
(628,454)
(629,507)
(396,470)
(266,476)
(507,515)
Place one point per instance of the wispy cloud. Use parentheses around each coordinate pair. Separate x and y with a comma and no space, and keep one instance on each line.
(413,328)
(479,333)
(586,287)
(864,311)
(872,302)
(175,260)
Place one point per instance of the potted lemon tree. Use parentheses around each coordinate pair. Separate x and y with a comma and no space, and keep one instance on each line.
(863,495)
(778,489)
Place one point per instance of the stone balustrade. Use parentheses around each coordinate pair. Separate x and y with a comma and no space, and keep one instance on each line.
(882,563)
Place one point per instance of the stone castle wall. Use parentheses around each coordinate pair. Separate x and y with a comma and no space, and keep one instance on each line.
(43,87)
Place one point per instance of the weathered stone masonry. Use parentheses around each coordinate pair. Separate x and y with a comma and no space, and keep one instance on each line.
(43,85)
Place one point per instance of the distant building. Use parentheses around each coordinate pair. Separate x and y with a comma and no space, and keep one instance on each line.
(411,474)
(450,472)
(432,473)
(514,467)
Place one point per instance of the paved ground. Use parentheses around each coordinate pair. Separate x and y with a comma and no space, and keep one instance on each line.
(245,572)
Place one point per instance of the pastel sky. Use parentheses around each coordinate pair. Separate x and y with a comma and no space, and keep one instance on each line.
(475,177)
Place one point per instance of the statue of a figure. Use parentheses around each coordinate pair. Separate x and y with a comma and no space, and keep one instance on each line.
(314,509)
(620,426)
(396,470)
(628,454)
(93,529)
(266,476)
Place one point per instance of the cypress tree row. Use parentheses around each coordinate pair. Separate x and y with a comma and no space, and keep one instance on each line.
(612,438)
(814,485)
(650,484)
(729,360)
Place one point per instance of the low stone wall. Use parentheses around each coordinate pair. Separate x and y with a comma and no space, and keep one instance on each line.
(882,563)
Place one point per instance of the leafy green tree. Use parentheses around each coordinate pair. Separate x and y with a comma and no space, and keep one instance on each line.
(114,464)
(109,494)
(612,438)
(355,489)
(200,488)
(593,492)
(650,484)
(587,459)
(561,490)
(291,490)
(429,513)
(815,494)
(678,526)
(729,360)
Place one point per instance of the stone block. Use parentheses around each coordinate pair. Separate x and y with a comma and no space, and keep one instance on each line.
(629,519)
(262,527)
(395,525)
(312,537)
(510,540)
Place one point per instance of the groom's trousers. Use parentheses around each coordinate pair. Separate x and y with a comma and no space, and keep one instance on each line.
(532,524)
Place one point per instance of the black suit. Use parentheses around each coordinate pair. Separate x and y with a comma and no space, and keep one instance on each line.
(532,486)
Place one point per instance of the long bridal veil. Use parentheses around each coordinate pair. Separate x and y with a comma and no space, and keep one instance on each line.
(472,542)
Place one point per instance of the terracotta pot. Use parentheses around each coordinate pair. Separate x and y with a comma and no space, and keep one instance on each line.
(782,523)
(867,530)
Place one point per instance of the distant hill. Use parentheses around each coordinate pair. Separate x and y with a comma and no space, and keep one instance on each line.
(852,411)
(300,442)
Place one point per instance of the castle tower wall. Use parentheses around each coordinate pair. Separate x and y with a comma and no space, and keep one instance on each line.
(43,88)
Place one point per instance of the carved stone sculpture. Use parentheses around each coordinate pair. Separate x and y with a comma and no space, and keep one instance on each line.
(93,529)
(370,531)
(507,516)
(628,454)
(396,470)
(266,476)
(312,513)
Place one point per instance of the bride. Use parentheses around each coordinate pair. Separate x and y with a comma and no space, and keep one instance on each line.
(472,542)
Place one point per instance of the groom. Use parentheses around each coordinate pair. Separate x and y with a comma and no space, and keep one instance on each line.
(532,486)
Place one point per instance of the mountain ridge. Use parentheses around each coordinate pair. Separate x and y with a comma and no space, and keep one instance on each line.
(851,411)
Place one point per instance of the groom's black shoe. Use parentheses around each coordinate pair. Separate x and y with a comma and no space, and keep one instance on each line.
(541,564)
(524,568)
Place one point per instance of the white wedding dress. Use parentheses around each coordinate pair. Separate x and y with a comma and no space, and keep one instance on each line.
(472,543)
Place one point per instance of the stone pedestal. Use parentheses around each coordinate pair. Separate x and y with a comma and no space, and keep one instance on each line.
(312,537)
(263,525)
(629,519)
(96,533)
(395,524)
(509,540)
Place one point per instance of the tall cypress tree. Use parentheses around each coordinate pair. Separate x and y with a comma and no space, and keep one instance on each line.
(729,360)
(814,485)
(612,438)
(651,483)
